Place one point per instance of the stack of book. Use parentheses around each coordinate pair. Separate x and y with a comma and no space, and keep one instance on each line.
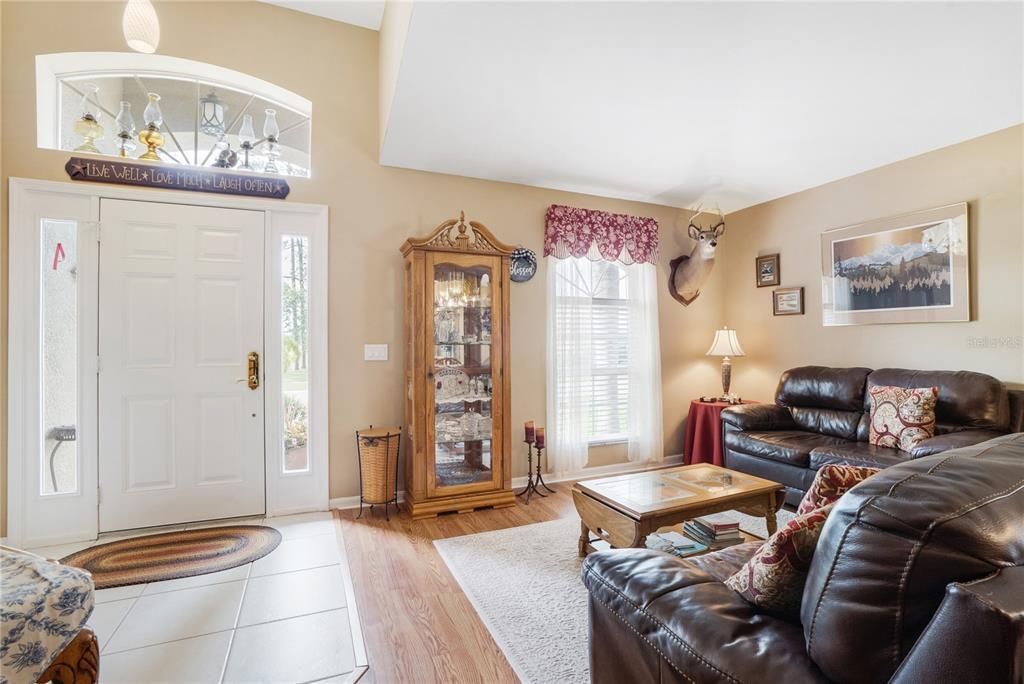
(675,543)
(716,531)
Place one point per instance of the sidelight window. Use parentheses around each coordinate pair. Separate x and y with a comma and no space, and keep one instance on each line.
(59,356)
(295,352)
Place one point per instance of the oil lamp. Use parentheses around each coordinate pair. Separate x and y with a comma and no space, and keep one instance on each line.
(150,135)
(88,126)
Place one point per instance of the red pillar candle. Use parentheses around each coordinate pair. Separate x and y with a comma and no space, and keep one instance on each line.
(529,431)
(540,438)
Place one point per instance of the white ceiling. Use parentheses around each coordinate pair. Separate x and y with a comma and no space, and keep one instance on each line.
(365,13)
(675,103)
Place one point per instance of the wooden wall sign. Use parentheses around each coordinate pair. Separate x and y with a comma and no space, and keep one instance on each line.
(175,178)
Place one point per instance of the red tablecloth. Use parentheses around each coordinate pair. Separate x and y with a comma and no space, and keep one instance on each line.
(703,442)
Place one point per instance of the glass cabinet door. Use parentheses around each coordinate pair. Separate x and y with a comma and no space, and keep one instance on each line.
(462,387)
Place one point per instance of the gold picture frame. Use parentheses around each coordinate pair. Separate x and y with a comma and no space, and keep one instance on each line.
(912,268)
(788,301)
(766,270)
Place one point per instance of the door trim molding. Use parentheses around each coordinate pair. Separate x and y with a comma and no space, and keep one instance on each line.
(35,520)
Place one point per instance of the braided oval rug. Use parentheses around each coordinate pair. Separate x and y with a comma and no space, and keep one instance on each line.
(170,555)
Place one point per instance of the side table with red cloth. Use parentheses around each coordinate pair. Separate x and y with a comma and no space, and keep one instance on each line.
(703,443)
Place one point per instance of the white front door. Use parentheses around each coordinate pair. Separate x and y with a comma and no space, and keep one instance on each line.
(181,308)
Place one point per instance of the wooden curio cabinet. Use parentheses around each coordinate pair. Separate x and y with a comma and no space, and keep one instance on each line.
(457,382)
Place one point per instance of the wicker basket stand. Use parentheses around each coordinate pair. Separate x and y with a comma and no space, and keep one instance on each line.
(378,467)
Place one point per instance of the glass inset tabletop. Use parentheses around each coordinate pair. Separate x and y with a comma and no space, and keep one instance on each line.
(667,488)
(644,491)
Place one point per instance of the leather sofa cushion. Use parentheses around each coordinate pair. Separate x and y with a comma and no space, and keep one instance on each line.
(796,479)
(724,563)
(895,541)
(841,389)
(857,454)
(952,440)
(758,417)
(827,421)
(705,630)
(966,399)
(786,446)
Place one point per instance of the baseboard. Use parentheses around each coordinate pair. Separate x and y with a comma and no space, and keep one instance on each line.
(600,471)
(356,674)
(345,502)
(296,510)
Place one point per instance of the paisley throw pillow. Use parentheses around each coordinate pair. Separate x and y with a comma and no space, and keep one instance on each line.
(774,577)
(831,482)
(901,417)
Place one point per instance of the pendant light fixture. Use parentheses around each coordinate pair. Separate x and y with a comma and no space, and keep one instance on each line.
(141,26)
(211,115)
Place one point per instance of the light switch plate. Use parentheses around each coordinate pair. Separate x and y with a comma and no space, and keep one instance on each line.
(375,352)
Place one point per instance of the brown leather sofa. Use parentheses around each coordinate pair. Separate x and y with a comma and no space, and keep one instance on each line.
(820,416)
(918,578)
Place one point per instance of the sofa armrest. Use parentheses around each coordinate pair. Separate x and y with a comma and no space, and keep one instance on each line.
(758,417)
(658,618)
(952,440)
(1016,410)
(985,620)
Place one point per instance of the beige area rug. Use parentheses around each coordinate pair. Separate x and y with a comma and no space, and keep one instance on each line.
(525,584)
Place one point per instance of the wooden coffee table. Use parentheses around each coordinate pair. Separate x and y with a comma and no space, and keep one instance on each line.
(623,509)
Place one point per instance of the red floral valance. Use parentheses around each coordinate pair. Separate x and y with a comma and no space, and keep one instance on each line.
(573,232)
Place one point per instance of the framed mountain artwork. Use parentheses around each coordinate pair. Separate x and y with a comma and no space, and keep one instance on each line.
(902,269)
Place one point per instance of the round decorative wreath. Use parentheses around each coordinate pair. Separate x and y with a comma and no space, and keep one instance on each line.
(523,266)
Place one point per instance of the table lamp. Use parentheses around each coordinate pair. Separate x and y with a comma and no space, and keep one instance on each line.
(725,344)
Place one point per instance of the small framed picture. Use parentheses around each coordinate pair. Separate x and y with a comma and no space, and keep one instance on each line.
(788,301)
(767,270)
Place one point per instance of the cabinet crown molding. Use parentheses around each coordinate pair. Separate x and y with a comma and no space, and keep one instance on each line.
(454,235)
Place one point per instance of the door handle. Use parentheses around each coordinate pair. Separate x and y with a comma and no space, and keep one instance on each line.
(254,370)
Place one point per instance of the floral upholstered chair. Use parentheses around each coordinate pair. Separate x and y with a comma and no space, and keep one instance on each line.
(43,609)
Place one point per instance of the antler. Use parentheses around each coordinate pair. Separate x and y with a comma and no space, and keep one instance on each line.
(695,214)
(719,227)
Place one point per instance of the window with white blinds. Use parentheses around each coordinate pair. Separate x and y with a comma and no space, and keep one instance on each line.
(592,317)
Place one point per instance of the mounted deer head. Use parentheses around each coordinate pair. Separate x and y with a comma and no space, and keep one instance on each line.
(689,272)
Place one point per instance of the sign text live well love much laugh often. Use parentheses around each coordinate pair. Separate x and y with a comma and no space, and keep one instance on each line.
(175,178)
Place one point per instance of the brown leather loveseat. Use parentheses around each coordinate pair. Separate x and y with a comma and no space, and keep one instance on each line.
(918,577)
(820,416)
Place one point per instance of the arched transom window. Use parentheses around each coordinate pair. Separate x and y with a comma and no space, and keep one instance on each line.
(99,103)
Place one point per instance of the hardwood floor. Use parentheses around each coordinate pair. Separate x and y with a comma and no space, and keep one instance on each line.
(418,625)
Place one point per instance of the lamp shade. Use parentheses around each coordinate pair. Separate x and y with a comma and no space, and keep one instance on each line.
(141,26)
(725,344)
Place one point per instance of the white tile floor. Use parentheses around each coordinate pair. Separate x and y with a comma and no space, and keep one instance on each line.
(283,618)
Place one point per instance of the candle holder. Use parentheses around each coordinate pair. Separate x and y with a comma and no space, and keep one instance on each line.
(540,478)
(533,482)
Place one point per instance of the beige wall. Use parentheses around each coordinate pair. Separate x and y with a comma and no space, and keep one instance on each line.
(985,172)
(372,208)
